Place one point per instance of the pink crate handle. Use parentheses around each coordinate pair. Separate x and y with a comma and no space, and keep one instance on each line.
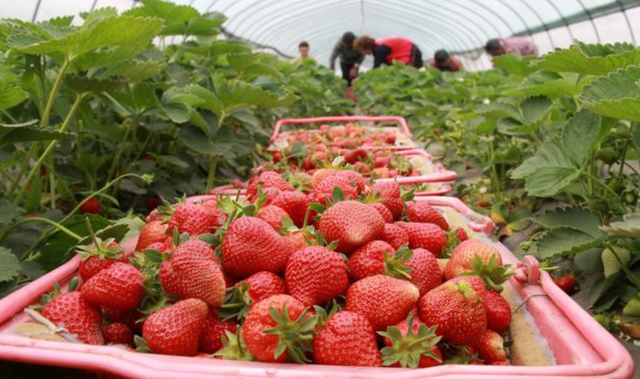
(479,223)
(402,123)
(438,177)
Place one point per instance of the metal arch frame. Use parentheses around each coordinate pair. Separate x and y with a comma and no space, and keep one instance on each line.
(562,17)
(35,11)
(626,18)
(542,22)
(518,15)
(590,17)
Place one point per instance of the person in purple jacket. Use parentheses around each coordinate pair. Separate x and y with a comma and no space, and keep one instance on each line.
(517,45)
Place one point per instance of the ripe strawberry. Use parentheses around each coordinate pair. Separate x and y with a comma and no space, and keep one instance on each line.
(384,212)
(212,205)
(491,348)
(324,190)
(473,256)
(413,348)
(395,236)
(253,289)
(119,287)
(273,215)
(193,272)
(296,240)
(154,231)
(421,211)
(212,332)
(251,245)
(194,220)
(352,224)
(425,236)
(91,205)
(381,173)
(361,168)
(176,330)
(295,203)
(374,258)
(424,270)
(278,329)
(383,300)
(267,179)
(355,155)
(567,283)
(457,311)
(355,178)
(160,246)
(320,175)
(117,334)
(316,275)
(498,312)
(77,315)
(462,234)
(347,339)
(390,195)
(379,162)
(99,256)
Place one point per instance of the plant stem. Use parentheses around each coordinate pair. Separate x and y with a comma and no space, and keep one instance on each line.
(25,163)
(48,150)
(116,157)
(632,278)
(602,184)
(54,92)
(56,225)
(624,157)
(213,163)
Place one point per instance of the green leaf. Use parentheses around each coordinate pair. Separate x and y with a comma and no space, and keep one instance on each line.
(551,154)
(10,134)
(549,181)
(11,95)
(513,64)
(581,135)
(576,217)
(629,227)
(635,137)
(179,19)
(616,95)
(9,265)
(564,241)
(589,59)
(535,108)
(8,212)
(589,261)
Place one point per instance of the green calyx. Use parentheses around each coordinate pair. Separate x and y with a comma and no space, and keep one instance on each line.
(452,242)
(295,336)
(466,290)
(237,303)
(395,264)
(409,348)
(234,347)
(99,248)
(492,273)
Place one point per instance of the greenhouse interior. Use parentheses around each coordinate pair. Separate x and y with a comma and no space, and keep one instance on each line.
(310,189)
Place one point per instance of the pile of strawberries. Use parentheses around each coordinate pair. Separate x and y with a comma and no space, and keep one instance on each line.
(344,271)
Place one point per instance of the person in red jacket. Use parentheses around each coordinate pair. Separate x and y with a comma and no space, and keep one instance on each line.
(388,50)
(445,62)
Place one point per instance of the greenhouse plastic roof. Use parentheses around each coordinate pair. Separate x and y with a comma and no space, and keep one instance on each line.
(456,25)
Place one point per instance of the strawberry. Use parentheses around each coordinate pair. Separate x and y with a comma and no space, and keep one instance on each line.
(383,300)
(361,168)
(475,257)
(374,258)
(347,339)
(425,236)
(379,162)
(257,287)
(176,330)
(498,312)
(380,173)
(193,272)
(395,236)
(610,262)
(421,211)
(390,195)
(352,224)
(296,240)
(413,347)
(295,203)
(424,270)
(119,287)
(99,256)
(461,234)
(273,215)
(212,332)
(355,155)
(567,283)
(160,246)
(320,175)
(456,310)
(355,178)
(324,190)
(212,205)
(154,231)
(91,206)
(251,245)
(491,348)
(316,275)
(117,334)
(267,179)
(77,315)
(194,220)
(278,329)
(384,212)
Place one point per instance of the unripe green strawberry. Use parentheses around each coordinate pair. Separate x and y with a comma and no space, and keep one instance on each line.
(611,264)
(632,308)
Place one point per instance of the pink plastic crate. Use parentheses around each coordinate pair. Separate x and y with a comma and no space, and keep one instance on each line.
(580,347)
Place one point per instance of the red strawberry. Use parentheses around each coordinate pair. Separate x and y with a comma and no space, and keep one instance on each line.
(99,256)
(117,334)
(491,348)
(212,332)
(270,325)
(381,173)
(424,270)
(355,178)
(77,315)
(316,275)
(379,162)
(390,195)
(421,211)
(154,231)
(498,312)
(212,206)
(320,175)
(324,190)
(352,224)
(347,339)
(262,285)
(119,287)
(176,330)
(194,220)
(425,236)
(267,179)
(355,155)
(251,245)
(462,234)
(361,168)
(457,311)
(296,240)
(567,283)
(273,215)
(193,272)
(295,203)
(374,258)
(383,300)
(384,212)
(465,252)
(413,348)
(91,205)
(395,236)
(160,246)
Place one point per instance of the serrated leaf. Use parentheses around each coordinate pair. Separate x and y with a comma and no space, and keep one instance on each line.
(513,64)
(10,134)
(8,212)
(564,241)
(616,95)
(179,19)
(11,95)
(577,217)
(551,154)
(535,108)
(549,181)
(581,135)
(629,227)
(589,59)
(9,265)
